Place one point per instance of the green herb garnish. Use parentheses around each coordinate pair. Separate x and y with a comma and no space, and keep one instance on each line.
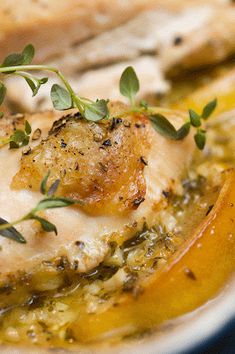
(200,138)
(196,122)
(129,84)
(129,87)
(64,98)
(165,128)
(50,201)
(19,138)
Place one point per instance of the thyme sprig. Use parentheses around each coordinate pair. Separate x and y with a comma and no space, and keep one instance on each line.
(129,87)
(64,98)
(50,201)
(196,122)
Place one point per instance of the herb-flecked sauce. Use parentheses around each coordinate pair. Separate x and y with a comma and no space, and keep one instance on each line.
(47,317)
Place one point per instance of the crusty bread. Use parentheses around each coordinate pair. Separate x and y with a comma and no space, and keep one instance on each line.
(54,25)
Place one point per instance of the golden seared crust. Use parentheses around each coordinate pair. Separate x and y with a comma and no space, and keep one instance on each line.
(102,164)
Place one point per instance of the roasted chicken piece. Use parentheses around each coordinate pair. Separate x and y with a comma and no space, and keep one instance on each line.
(101,164)
(173,37)
(120,169)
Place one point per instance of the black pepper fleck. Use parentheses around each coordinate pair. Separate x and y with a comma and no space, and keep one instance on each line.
(177,40)
(139,125)
(80,244)
(107,142)
(166,194)
(138,201)
(115,122)
(189,273)
(75,265)
(62,263)
(63,144)
(143,160)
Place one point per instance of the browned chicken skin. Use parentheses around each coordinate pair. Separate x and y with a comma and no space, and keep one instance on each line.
(101,164)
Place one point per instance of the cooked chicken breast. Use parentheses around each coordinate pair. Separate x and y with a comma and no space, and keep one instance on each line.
(158,43)
(54,26)
(149,33)
(119,168)
(211,43)
(191,37)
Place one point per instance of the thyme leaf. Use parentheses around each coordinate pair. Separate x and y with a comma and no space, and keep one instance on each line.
(13,60)
(27,128)
(183,131)
(96,111)
(28,54)
(3,91)
(209,109)
(61,98)
(53,203)
(50,201)
(162,125)
(43,186)
(53,188)
(11,232)
(200,139)
(129,84)
(20,137)
(45,224)
(195,119)
(35,83)
(17,59)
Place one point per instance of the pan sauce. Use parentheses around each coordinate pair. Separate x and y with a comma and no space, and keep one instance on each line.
(49,318)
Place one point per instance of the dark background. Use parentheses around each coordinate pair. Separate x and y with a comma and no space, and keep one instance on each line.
(223,343)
